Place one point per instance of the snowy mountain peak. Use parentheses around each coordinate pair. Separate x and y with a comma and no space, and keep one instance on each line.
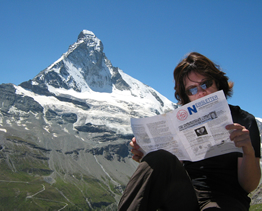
(84,70)
(83,67)
(84,75)
(85,34)
(90,39)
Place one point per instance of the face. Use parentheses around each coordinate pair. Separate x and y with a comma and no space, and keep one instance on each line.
(195,80)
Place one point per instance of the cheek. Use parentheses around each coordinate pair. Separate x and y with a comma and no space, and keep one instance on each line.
(213,89)
(192,98)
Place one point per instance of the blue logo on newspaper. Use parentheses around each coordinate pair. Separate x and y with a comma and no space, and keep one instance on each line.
(201,103)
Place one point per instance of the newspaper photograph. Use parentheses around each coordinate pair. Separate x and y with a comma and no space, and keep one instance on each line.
(192,132)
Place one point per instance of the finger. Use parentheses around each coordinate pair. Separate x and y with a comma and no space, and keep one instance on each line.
(242,140)
(240,144)
(234,126)
(137,153)
(240,134)
(134,144)
(131,143)
(136,158)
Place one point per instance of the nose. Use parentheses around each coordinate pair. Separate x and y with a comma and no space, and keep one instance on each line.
(201,92)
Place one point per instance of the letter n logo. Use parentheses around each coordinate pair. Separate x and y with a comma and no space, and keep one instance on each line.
(193,109)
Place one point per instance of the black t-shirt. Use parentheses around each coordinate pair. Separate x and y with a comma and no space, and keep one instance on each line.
(218,175)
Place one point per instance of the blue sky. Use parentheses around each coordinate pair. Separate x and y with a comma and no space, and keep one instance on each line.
(144,38)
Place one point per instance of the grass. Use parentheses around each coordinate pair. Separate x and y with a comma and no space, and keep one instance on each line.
(22,181)
(16,193)
(256,207)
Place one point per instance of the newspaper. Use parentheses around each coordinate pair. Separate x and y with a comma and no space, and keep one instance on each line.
(192,132)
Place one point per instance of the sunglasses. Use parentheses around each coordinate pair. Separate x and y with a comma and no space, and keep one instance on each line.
(204,85)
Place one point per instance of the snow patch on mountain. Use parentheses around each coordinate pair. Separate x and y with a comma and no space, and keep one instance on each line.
(104,107)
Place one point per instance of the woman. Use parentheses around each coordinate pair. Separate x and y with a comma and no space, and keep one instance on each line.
(162,182)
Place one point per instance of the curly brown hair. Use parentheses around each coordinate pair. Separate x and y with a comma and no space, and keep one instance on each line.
(200,64)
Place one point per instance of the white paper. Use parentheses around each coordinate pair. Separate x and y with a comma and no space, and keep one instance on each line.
(192,132)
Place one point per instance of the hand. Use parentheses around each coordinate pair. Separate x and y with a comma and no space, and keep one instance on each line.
(249,172)
(137,153)
(241,138)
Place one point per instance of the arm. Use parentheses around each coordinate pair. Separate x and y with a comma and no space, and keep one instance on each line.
(249,172)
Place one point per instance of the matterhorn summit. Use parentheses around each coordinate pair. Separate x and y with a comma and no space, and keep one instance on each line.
(85,74)
(83,67)
(67,131)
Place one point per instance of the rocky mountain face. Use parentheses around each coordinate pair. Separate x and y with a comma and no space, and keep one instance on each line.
(64,134)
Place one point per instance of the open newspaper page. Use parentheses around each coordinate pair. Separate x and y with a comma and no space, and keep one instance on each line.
(192,132)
